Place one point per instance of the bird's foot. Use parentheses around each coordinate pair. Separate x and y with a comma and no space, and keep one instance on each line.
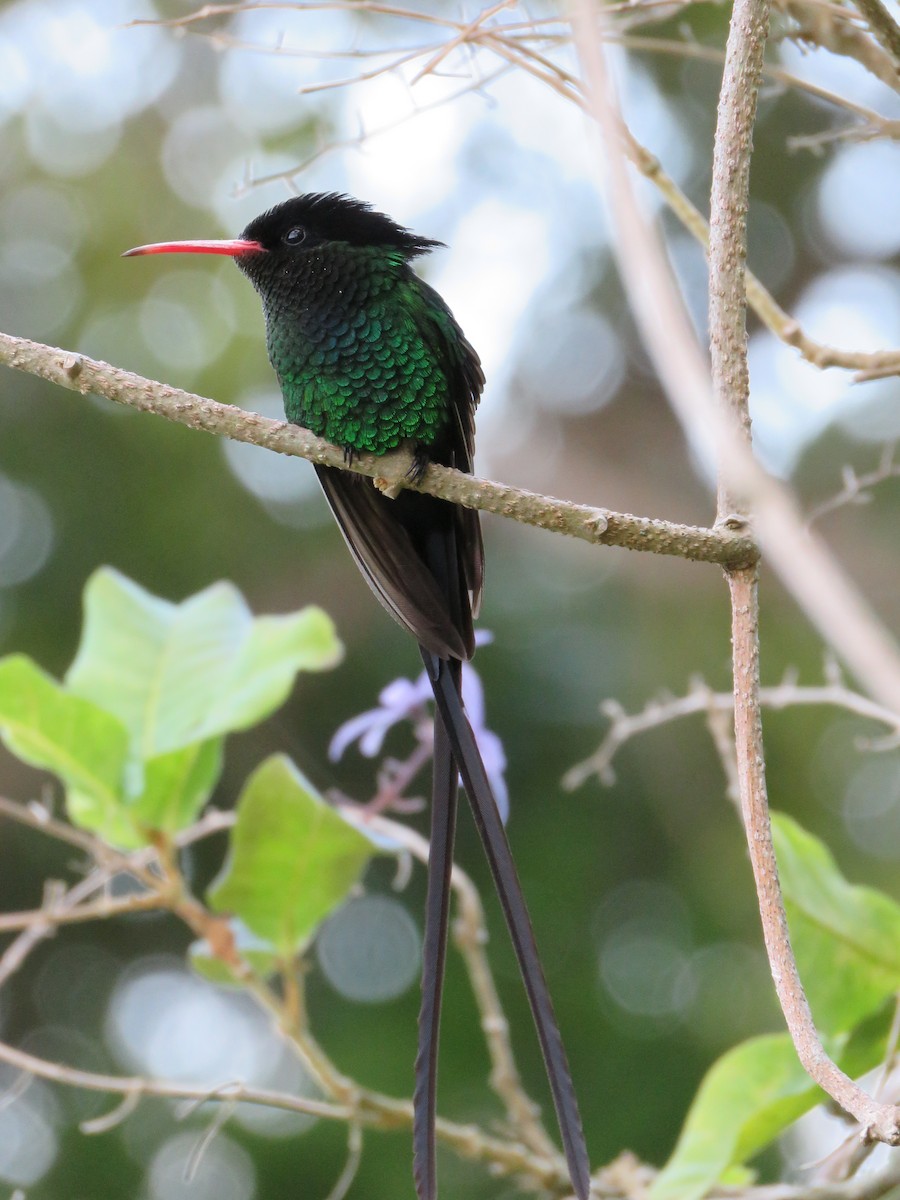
(395,469)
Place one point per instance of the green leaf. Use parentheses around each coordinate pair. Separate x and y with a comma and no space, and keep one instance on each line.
(749,1097)
(177,785)
(84,746)
(293,858)
(846,937)
(176,674)
(847,942)
(746,1099)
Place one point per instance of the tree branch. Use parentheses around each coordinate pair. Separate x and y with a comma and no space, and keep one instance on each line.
(857,488)
(883,27)
(831,27)
(513,43)
(723,544)
(728,345)
(533,1156)
(828,597)
(702,699)
(879,1121)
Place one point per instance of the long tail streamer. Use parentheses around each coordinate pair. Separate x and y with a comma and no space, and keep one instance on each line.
(454,723)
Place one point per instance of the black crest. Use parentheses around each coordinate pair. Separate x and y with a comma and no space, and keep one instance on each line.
(332,217)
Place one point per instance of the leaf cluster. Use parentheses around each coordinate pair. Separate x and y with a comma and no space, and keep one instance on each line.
(136,733)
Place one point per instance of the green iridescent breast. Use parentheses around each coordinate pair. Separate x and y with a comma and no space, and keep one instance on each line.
(359,353)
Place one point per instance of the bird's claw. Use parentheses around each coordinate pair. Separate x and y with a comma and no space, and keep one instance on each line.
(397,467)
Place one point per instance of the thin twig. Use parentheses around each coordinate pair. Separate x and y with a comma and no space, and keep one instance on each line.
(357,141)
(112,862)
(344,1181)
(856,489)
(701,699)
(511,42)
(832,27)
(373,1110)
(36,816)
(54,916)
(878,1121)
(829,597)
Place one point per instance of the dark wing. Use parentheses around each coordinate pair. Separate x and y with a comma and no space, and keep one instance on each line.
(390,540)
(423,557)
(467,381)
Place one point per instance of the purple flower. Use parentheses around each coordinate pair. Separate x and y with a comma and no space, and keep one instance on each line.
(401,700)
(405,700)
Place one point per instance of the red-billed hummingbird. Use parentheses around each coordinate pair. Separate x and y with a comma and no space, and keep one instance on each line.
(370,357)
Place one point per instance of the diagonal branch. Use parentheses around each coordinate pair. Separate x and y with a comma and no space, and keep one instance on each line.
(723,544)
(883,26)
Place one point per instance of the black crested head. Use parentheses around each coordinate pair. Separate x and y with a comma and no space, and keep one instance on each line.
(317,217)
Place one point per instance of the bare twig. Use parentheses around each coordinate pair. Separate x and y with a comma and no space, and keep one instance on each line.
(371,1110)
(115,1117)
(827,595)
(623,1179)
(111,862)
(364,136)
(833,28)
(700,698)
(878,1121)
(36,816)
(764,304)
(536,1156)
(54,916)
(129,1085)
(344,1181)
(516,43)
(857,488)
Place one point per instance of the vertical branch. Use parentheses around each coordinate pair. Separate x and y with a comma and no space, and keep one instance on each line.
(828,597)
(728,205)
(728,347)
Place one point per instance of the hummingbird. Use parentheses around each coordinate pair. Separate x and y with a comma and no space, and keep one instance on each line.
(370,357)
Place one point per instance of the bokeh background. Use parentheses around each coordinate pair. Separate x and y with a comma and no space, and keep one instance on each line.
(113,134)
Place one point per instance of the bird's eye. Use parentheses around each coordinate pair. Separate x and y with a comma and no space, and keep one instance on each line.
(295,236)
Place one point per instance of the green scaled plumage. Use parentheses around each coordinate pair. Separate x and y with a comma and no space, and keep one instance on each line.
(370,380)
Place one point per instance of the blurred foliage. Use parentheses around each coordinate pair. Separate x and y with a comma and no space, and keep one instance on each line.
(152,143)
(175,673)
